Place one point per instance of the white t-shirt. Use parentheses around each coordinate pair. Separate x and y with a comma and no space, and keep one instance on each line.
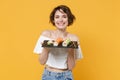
(57,56)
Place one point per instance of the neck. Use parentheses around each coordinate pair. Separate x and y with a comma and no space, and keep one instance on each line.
(61,33)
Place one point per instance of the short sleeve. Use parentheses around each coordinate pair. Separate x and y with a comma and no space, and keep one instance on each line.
(38,47)
(78,53)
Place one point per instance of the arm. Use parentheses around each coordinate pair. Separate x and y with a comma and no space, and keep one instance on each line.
(44,56)
(72,54)
(71,59)
(45,52)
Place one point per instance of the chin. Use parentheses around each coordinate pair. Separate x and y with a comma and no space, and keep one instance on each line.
(61,26)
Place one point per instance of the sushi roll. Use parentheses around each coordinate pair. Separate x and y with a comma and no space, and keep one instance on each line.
(66,42)
(55,43)
(50,42)
(58,41)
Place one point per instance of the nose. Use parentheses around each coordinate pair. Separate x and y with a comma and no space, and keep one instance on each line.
(61,19)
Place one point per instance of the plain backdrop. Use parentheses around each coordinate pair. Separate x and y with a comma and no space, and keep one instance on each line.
(97,25)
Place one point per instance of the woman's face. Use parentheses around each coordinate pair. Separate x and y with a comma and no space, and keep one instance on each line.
(61,19)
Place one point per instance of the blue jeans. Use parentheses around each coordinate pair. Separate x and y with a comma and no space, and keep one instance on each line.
(49,75)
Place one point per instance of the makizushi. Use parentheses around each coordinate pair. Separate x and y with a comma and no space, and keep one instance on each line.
(66,42)
(50,42)
(57,41)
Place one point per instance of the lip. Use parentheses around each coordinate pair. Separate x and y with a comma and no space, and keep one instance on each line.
(61,24)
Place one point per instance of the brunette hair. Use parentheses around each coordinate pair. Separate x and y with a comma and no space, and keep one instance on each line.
(66,10)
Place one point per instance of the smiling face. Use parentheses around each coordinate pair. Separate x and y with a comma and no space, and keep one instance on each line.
(60,19)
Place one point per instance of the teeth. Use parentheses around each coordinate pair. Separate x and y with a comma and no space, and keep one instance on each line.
(61,24)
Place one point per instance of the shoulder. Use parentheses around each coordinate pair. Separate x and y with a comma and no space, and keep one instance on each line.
(73,37)
(46,33)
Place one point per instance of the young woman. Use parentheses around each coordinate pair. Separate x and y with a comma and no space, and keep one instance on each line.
(58,62)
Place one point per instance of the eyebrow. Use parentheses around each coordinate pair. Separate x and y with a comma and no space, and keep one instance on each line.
(63,15)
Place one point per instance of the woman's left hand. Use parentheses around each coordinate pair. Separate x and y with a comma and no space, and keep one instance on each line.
(71,59)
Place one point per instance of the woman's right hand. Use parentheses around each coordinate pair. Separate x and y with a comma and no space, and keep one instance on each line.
(46,49)
(44,55)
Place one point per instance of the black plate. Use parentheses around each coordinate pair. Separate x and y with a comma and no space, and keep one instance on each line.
(72,44)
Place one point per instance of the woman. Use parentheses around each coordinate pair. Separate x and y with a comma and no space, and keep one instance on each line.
(58,62)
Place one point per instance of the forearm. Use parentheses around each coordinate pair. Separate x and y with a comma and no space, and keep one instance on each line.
(44,56)
(71,60)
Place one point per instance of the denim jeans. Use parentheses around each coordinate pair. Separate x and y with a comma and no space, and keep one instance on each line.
(49,75)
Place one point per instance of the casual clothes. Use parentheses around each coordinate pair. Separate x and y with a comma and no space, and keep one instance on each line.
(57,56)
(57,59)
(48,75)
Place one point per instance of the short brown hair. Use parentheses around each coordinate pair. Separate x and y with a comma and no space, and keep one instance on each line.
(66,10)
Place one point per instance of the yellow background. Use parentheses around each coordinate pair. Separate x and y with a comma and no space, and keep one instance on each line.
(97,25)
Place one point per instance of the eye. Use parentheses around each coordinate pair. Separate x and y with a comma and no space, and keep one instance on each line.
(56,16)
(64,16)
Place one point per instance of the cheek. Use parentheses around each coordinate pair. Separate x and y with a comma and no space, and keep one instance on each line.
(55,20)
(67,21)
